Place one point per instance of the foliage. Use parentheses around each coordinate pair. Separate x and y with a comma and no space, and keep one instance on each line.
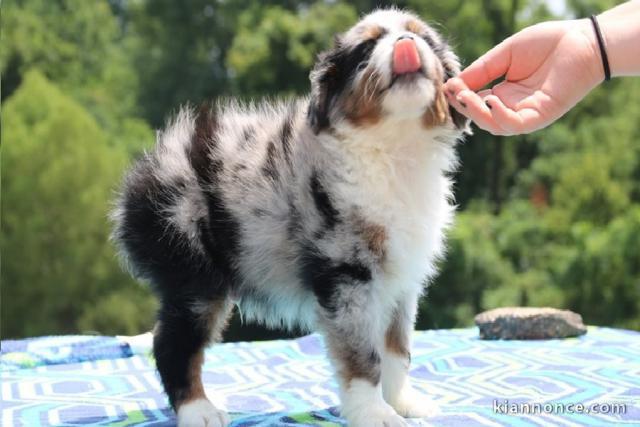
(58,175)
(276,47)
(551,218)
(569,232)
(75,43)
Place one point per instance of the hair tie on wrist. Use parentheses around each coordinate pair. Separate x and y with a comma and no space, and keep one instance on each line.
(603,51)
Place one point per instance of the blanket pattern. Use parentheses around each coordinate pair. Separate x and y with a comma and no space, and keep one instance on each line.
(99,381)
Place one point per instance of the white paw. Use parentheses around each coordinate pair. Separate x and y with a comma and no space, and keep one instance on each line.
(380,415)
(412,404)
(201,413)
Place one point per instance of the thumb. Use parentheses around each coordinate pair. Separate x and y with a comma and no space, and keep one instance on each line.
(490,66)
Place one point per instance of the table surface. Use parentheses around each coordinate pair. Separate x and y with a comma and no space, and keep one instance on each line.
(88,380)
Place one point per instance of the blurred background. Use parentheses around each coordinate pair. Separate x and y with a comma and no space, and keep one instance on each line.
(551,218)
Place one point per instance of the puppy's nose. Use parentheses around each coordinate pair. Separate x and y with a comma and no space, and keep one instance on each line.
(406,58)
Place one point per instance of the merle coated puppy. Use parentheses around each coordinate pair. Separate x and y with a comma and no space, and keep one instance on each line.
(325,213)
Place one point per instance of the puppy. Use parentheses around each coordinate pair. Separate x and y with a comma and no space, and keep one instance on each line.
(324,213)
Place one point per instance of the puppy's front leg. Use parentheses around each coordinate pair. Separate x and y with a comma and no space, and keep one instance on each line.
(396,358)
(353,335)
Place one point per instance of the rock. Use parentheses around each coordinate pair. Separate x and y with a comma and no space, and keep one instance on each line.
(529,323)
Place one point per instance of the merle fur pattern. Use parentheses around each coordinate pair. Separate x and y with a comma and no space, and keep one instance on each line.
(301,216)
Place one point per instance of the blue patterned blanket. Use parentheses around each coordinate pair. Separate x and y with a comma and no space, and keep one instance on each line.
(87,380)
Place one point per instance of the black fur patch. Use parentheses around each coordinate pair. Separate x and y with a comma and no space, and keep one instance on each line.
(431,42)
(152,243)
(281,139)
(366,366)
(323,202)
(325,276)
(179,339)
(293,224)
(286,132)
(270,169)
(204,141)
(219,231)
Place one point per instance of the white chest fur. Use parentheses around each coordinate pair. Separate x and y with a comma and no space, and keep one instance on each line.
(397,176)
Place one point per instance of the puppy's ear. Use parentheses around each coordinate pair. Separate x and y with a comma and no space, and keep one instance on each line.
(329,77)
(318,113)
(460,121)
(451,66)
(323,81)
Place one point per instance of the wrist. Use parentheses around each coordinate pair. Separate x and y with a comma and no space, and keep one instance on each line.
(594,61)
(621,34)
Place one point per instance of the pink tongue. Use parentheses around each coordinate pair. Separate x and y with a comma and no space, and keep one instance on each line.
(405,57)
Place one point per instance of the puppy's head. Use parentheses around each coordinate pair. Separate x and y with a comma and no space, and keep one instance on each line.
(389,65)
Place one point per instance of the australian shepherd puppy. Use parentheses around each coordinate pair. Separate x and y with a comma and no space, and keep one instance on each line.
(324,213)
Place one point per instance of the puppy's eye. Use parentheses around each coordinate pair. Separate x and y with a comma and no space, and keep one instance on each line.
(362,65)
(430,41)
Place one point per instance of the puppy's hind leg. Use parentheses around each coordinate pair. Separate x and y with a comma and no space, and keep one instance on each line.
(396,358)
(184,329)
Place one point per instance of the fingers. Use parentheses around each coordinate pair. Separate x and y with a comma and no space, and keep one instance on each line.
(513,122)
(488,67)
(472,105)
(484,93)
(488,111)
(506,118)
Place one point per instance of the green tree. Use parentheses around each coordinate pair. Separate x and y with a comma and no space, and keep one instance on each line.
(472,265)
(568,233)
(198,50)
(76,44)
(276,48)
(58,176)
(549,218)
(180,48)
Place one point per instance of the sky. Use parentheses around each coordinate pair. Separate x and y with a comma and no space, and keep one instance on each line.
(558,7)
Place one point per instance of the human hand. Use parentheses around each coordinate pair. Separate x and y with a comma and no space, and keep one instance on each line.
(548,68)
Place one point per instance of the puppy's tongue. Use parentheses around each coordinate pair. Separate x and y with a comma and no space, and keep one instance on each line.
(405,57)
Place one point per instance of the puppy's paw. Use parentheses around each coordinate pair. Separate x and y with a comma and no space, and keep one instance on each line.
(412,404)
(201,413)
(380,415)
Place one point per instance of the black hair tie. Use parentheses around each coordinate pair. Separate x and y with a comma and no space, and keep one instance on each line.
(603,51)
